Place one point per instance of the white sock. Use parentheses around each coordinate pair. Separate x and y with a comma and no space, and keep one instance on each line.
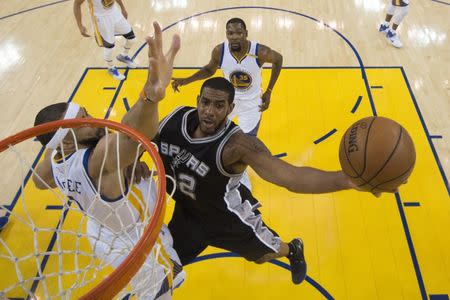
(127,46)
(108,56)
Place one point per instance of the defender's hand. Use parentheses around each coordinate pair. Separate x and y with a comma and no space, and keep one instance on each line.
(160,65)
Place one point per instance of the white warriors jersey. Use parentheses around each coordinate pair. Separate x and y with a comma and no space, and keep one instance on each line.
(102,7)
(71,176)
(244,74)
(109,218)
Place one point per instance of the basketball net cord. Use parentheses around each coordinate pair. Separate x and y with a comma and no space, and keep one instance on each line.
(80,257)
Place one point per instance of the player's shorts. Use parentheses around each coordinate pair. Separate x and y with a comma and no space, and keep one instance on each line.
(400,2)
(109,25)
(241,231)
(113,251)
(248,114)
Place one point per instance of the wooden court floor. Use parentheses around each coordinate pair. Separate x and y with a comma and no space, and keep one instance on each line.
(357,246)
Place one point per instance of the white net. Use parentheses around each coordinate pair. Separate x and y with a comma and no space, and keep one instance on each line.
(62,242)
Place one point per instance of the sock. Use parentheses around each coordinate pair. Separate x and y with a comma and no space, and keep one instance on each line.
(107,56)
(127,46)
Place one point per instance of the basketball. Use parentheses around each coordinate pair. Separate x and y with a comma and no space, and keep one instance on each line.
(377,153)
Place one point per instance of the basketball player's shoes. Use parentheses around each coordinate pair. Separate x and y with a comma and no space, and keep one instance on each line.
(115,73)
(384,27)
(297,261)
(126,60)
(392,36)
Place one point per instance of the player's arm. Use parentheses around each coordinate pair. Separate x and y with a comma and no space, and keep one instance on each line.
(44,171)
(77,14)
(122,8)
(265,54)
(143,116)
(247,150)
(205,72)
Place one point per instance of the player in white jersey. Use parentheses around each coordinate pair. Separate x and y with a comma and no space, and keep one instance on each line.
(108,22)
(241,61)
(397,9)
(77,172)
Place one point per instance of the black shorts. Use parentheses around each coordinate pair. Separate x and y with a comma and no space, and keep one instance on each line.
(191,235)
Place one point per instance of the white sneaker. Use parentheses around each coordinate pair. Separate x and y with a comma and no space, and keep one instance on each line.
(393,39)
(115,73)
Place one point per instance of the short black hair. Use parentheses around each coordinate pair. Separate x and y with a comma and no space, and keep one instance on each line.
(221,84)
(50,113)
(236,20)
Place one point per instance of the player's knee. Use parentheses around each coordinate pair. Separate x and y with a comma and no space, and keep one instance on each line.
(107,45)
(130,35)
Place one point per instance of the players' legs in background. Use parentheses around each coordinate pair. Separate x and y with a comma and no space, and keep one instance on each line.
(122,27)
(390,11)
(124,56)
(396,11)
(108,50)
(106,29)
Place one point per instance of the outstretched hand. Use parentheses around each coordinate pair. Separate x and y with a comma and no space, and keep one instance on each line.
(160,65)
(354,186)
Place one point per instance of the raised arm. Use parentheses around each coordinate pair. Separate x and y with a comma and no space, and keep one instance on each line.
(205,72)
(143,116)
(77,14)
(243,150)
(265,54)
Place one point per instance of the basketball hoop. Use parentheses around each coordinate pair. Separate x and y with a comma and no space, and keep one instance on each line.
(122,279)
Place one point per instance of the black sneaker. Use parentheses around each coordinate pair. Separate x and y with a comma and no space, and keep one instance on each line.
(297,261)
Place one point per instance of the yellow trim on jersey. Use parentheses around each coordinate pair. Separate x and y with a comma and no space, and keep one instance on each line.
(59,160)
(243,57)
(165,260)
(98,37)
(136,199)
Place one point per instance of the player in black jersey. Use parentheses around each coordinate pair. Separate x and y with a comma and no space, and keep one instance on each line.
(207,154)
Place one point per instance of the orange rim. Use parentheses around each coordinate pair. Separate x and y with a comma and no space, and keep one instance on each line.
(121,276)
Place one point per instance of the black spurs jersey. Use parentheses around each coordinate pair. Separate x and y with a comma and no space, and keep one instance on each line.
(203,185)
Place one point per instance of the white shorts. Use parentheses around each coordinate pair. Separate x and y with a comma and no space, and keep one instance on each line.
(111,24)
(112,250)
(247,113)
